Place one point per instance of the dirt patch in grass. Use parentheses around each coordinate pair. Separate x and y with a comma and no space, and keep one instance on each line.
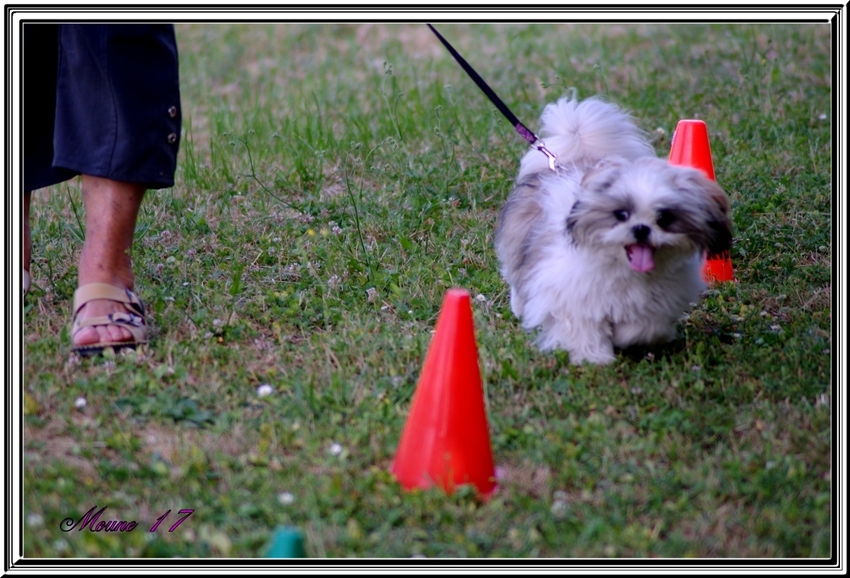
(527,479)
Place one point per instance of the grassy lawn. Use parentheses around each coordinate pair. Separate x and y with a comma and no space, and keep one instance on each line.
(334,181)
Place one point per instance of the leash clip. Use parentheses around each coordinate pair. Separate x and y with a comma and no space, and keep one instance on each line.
(553,158)
(533,140)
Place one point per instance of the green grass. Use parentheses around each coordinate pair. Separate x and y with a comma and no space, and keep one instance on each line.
(334,181)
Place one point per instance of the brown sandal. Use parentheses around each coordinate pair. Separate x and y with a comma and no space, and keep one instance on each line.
(133,320)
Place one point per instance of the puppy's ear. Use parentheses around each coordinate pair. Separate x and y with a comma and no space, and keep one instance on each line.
(715,208)
(603,175)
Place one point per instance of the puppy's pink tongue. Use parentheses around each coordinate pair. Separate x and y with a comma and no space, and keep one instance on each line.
(640,257)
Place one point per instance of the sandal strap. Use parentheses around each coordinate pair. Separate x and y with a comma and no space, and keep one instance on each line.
(132,320)
(94,291)
(132,323)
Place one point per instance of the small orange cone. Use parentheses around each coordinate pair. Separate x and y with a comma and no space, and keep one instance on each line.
(690,148)
(446,440)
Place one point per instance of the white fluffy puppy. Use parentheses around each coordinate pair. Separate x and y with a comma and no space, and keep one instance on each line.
(607,252)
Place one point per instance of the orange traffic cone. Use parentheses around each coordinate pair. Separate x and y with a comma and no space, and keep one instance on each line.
(690,148)
(446,441)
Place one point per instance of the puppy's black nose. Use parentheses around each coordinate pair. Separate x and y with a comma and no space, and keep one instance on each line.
(641,232)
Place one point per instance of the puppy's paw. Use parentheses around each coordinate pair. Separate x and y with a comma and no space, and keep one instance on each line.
(585,340)
(596,357)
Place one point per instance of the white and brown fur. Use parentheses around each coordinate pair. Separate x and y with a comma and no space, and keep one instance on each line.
(606,253)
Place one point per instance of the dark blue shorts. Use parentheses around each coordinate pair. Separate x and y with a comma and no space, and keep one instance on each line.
(100,100)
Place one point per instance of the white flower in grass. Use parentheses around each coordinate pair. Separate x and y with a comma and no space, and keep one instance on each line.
(822,116)
(334,281)
(285,498)
(73,360)
(34,520)
(80,402)
(60,545)
(265,390)
(217,322)
(335,449)
(559,508)
(480,298)
(371,294)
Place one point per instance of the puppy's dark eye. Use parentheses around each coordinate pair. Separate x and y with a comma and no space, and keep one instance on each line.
(621,215)
(665,218)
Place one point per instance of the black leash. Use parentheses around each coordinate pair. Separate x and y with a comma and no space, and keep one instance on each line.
(523,131)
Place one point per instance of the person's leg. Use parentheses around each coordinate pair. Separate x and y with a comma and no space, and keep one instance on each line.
(38,107)
(27,240)
(118,124)
(111,211)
